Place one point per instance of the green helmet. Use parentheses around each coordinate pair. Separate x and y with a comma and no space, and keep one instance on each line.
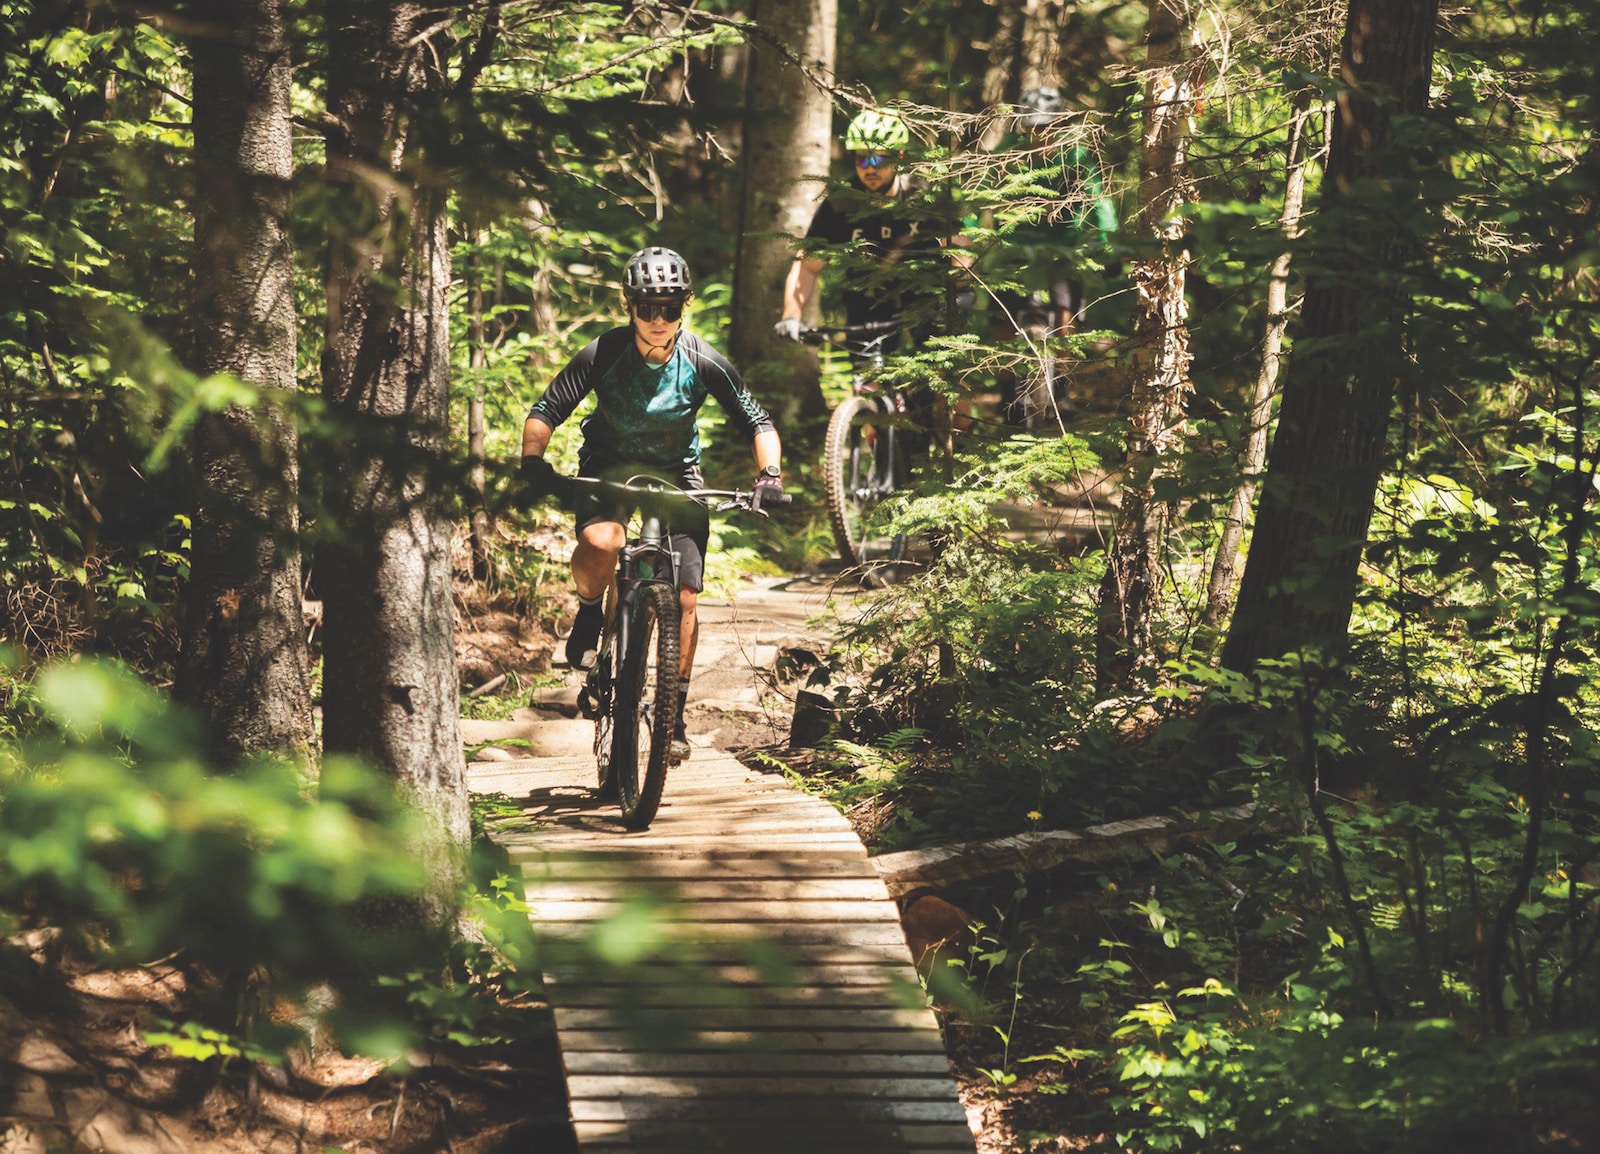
(873,131)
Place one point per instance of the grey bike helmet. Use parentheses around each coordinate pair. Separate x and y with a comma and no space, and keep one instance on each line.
(1039,107)
(657,272)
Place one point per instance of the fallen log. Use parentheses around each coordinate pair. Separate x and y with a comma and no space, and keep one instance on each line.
(919,869)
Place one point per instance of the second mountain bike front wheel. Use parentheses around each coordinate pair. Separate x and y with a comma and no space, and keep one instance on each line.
(860,469)
(645,705)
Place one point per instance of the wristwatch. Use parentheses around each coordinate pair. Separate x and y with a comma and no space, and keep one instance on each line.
(770,471)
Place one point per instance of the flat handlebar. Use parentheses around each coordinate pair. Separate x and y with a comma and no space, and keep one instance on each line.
(647,490)
(838,334)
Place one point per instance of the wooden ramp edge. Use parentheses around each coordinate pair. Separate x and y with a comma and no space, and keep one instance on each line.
(735,978)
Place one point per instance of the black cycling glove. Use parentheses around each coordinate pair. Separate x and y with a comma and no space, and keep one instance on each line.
(767,493)
(538,475)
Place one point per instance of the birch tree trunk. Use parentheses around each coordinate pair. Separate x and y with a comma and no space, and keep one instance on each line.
(1331,443)
(477,425)
(788,137)
(1219,593)
(244,662)
(1159,372)
(390,689)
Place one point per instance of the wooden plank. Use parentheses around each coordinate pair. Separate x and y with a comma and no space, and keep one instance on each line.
(770,1064)
(672,973)
(752,1018)
(777,933)
(753,845)
(677,867)
(801,1136)
(704,1087)
(765,1108)
(749,910)
(713,889)
(887,996)
(792,1041)
(561,954)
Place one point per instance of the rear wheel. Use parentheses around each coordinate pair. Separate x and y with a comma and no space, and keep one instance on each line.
(645,705)
(862,464)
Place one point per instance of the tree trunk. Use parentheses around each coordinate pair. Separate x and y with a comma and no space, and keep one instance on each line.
(477,428)
(390,689)
(244,660)
(787,145)
(1159,372)
(1041,43)
(1328,453)
(1219,595)
(998,75)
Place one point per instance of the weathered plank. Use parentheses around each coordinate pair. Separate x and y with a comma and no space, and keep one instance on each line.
(790,1041)
(750,1018)
(778,933)
(748,910)
(704,1087)
(767,1108)
(771,1064)
(809,1136)
(713,889)
(707,996)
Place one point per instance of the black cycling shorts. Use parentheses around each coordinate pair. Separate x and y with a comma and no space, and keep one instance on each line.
(690,545)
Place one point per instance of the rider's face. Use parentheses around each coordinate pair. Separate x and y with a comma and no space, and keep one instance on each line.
(657,317)
(656,322)
(875,170)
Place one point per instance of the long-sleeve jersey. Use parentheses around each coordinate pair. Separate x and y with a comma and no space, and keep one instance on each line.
(645,413)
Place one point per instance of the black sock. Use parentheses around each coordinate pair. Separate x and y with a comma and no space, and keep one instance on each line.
(683,696)
(590,604)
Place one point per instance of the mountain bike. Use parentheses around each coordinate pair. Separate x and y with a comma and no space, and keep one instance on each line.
(632,690)
(867,453)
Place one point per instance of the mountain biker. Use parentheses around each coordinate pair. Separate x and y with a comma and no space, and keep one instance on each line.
(650,378)
(885,213)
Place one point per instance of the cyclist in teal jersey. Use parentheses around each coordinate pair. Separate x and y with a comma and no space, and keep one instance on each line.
(650,378)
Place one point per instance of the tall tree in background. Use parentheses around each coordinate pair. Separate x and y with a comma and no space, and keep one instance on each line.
(788,131)
(1159,369)
(1327,455)
(1220,590)
(390,690)
(244,661)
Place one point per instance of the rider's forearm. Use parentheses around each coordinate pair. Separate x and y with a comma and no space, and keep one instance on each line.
(535,437)
(799,286)
(768,449)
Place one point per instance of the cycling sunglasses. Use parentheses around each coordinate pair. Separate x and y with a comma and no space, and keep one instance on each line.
(658,310)
(872,160)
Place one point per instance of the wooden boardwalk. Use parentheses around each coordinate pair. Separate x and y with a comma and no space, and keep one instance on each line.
(733,979)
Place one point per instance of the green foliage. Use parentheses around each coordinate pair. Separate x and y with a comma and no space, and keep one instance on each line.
(117,837)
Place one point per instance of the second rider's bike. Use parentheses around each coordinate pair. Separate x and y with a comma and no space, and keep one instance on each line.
(866,455)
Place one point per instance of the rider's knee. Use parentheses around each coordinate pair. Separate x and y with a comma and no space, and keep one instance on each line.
(604,536)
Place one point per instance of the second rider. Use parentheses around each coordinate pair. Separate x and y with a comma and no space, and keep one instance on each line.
(650,378)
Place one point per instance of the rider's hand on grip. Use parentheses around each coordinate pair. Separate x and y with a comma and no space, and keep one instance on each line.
(538,475)
(767,493)
(788,328)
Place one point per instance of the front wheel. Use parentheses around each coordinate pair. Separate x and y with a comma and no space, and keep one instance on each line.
(862,464)
(645,705)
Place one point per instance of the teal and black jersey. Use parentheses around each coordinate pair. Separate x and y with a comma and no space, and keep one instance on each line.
(645,413)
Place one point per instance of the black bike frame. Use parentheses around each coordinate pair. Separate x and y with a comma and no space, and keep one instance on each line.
(648,559)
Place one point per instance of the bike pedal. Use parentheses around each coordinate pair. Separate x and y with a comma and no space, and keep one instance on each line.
(588,706)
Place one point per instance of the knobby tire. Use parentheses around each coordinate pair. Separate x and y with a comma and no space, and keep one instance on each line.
(853,466)
(645,705)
